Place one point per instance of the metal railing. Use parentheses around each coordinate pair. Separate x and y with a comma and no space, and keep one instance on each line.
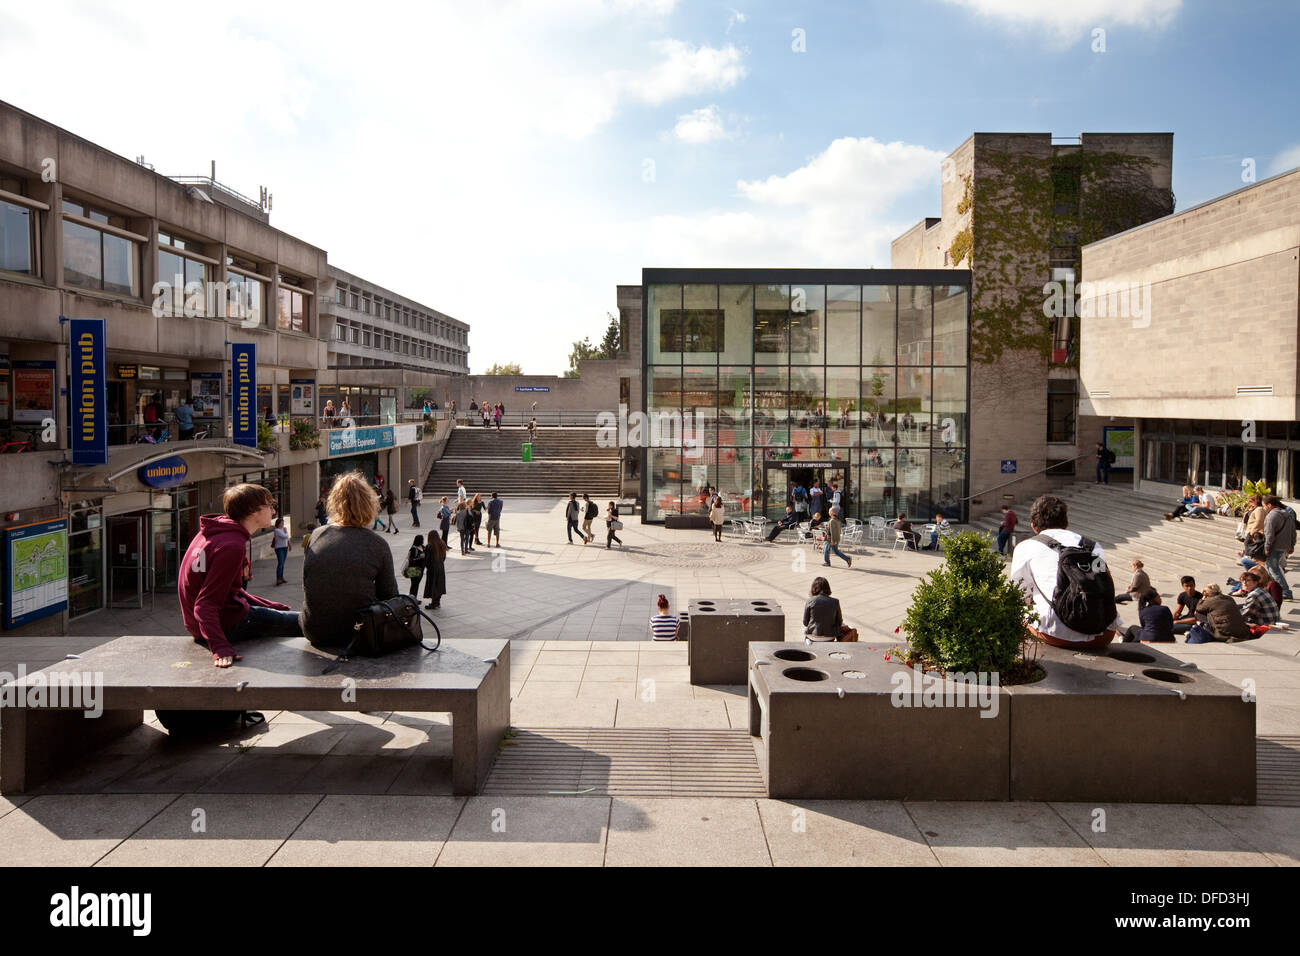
(1032,474)
(545,419)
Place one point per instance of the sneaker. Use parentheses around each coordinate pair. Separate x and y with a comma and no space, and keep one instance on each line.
(850,560)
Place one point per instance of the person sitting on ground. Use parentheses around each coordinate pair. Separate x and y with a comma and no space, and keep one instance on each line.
(789,521)
(1259,607)
(1209,503)
(1034,567)
(663,626)
(822,617)
(1185,504)
(904,527)
(1157,625)
(1252,553)
(216,609)
(1223,620)
(1185,609)
(1139,586)
(941,527)
(347,567)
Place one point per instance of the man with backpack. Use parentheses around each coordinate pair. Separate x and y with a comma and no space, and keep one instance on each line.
(1279,540)
(590,512)
(1065,578)
(1105,458)
(572,511)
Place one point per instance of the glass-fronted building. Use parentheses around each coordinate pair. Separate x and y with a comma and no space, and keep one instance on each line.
(755,379)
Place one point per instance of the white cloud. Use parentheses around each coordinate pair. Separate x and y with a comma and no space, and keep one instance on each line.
(1287,159)
(701,126)
(862,172)
(735,18)
(685,69)
(1067,21)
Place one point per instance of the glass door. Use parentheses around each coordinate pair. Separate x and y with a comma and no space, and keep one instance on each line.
(125,564)
(164,558)
(775,493)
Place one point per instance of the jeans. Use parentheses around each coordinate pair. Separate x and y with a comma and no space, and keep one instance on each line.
(266,622)
(280,555)
(1004,538)
(572,527)
(1103,472)
(1274,564)
(415,515)
(465,538)
(826,554)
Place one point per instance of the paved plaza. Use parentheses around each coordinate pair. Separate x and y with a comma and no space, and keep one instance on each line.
(358,788)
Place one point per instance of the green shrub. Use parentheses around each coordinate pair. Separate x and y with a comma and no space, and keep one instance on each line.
(265,440)
(1237,499)
(965,615)
(303,435)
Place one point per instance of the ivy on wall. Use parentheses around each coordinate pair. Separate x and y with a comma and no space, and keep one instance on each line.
(1021,206)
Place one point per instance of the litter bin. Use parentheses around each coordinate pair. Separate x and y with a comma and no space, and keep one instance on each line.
(527,451)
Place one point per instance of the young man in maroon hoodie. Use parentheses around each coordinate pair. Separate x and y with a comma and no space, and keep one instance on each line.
(216,608)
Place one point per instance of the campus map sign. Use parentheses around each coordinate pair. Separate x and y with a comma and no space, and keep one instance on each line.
(36,571)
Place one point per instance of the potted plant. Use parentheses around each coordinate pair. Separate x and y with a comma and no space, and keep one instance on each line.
(966,616)
(265,437)
(303,435)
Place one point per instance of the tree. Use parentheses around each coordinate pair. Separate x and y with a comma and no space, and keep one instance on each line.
(608,348)
(510,368)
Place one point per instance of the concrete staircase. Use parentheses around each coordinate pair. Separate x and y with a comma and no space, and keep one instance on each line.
(1131,525)
(564,460)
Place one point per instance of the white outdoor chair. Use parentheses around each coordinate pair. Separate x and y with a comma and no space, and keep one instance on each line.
(900,538)
(802,532)
(877,531)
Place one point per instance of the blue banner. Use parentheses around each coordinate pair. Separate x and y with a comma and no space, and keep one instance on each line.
(351,441)
(88,414)
(167,473)
(243,365)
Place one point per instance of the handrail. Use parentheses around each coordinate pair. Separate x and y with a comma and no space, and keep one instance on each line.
(1032,474)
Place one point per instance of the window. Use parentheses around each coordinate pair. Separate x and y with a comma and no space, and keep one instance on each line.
(1060,409)
(340,296)
(18,223)
(244,298)
(95,259)
(291,310)
(176,272)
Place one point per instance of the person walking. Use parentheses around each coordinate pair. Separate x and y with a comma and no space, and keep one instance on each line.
(415,565)
(613,525)
(717,515)
(461,493)
(496,415)
(573,511)
(1103,464)
(590,512)
(494,519)
(322,517)
(390,505)
(476,510)
(1009,522)
(833,529)
(532,430)
(413,496)
(1279,541)
(444,518)
(435,571)
(281,546)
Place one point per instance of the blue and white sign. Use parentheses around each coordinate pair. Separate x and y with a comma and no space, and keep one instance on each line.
(88,373)
(1008,466)
(243,365)
(532,388)
(167,473)
(36,571)
(354,441)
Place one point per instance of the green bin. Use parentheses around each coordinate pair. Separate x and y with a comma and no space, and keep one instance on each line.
(528,451)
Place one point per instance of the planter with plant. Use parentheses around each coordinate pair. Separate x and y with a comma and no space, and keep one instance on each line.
(303,434)
(265,437)
(966,616)
(1237,499)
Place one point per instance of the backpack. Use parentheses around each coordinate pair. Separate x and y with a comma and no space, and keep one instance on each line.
(198,723)
(1110,456)
(592,510)
(1084,598)
(799,493)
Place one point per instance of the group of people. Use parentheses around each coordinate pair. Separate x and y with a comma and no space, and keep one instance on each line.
(587,511)
(490,413)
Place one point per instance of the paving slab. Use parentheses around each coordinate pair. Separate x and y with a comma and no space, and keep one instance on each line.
(174,770)
(843,833)
(686,832)
(528,831)
(684,713)
(1144,834)
(211,829)
(361,830)
(1000,834)
(74,830)
(1274,831)
(423,776)
(553,712)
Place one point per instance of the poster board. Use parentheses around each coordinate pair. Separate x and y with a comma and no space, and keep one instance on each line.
(36,571)
(33,391)
(205,390)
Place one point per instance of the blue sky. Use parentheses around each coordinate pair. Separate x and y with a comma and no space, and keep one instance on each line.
(511,162)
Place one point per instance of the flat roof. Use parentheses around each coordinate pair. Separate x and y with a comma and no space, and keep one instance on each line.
(828,276)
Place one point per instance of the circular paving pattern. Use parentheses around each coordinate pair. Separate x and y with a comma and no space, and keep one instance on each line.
(710,555)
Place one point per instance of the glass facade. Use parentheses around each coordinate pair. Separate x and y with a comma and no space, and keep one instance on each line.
(776,381)
(1219,454)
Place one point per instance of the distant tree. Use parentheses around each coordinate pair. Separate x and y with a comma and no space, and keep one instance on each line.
(613,339)
(510,368)
(610,343)
(581,350)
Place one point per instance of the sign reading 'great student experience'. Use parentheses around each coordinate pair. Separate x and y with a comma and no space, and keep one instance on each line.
(243,363)
(88,371)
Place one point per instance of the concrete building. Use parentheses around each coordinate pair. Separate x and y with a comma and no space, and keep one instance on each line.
(1016,208)
(1192,330)
(180,271)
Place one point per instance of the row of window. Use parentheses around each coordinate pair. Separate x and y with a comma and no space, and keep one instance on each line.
(394,312)
(378,338)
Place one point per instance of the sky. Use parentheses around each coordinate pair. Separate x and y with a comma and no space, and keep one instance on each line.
(511,163)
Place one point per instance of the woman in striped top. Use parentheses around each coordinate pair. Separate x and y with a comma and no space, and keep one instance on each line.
(663,626)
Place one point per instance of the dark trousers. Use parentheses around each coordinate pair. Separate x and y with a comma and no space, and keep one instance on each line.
(266,622)
(465,538)
(415,515)
(280,555)
(415,586)
(1103,472)
(572,527)
(611,537)
(1004,537)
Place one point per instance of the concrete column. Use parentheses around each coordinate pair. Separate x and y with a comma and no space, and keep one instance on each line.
(393,477)
(304,487)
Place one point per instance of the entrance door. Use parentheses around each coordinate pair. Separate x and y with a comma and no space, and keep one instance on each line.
(125,561)
(776,491)
(165,558)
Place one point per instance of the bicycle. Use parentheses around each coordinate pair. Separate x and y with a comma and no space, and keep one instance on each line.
(12,446)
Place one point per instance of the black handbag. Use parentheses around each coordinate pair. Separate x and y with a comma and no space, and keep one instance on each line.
(388,626)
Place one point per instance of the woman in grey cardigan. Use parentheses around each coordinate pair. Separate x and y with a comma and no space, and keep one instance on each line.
(347,566)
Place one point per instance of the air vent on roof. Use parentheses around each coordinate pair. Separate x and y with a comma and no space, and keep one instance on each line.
(1254,389)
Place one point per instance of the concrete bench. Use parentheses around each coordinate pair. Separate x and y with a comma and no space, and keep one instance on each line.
(469,679)
(720,631)
(696,522)
(1126,725)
